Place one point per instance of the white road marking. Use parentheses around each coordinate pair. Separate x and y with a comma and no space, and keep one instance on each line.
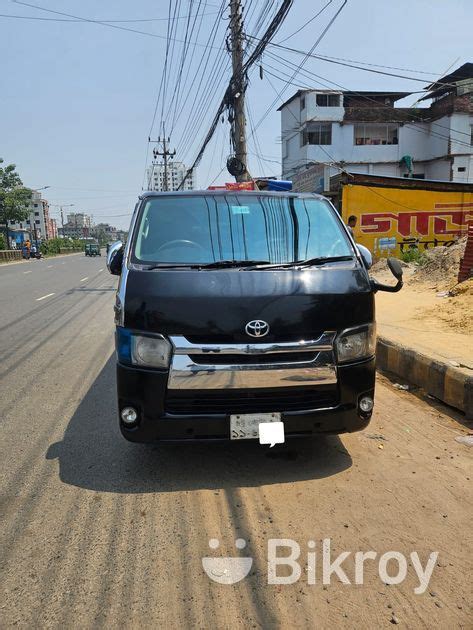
(63,263)
(100,270)
(44,297)
(28,271)
(49,267)
(84,279)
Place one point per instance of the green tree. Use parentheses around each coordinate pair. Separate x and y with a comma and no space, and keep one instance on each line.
(14,197)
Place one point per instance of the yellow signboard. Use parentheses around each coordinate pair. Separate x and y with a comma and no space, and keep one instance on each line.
(390,220)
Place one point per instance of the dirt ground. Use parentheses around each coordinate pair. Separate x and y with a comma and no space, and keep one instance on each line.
(96,532)
(432,312)
(454,309)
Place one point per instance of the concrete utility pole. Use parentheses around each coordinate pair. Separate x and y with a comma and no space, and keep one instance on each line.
(165,153)
(236,28)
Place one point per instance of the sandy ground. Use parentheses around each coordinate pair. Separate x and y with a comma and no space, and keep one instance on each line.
(423,315)
(97,532)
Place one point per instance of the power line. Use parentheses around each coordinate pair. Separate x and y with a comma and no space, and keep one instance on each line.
(200,72)
(377,65)
(203,98)
(306,23)
(44,19)
(410,124)
(317,42)
(99,22)
(351,65)
(407,122)
(230,92)
(324,150)
(170,45)
(183,60)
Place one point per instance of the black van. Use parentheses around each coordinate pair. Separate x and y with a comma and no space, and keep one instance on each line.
(243,315)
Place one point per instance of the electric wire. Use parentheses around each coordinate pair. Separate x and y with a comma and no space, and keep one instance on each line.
(99,22)
(324,82)
(307,23)
(317,42)
(44,19)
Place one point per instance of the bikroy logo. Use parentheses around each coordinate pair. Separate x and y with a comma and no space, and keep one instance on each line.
(392,566)
(227,570)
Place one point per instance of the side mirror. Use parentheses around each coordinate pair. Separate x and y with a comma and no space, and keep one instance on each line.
(365,256)
(396,269)
(115,258)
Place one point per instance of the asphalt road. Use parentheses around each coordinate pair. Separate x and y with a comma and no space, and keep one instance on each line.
(99,532)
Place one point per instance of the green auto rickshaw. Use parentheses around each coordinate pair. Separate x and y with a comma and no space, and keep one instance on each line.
(92,249)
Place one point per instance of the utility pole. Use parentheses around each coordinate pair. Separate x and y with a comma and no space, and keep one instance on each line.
(236,29)
(165,154)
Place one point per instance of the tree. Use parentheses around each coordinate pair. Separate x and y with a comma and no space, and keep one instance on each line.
(14,198)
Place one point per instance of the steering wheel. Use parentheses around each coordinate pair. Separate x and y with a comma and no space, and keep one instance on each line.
(180,241)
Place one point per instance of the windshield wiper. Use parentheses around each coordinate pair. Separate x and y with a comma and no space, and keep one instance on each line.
(222,264)
(321,260)
(251,264)
(166,266)
(218,264)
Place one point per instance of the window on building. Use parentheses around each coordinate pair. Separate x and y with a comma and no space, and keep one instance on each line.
(36,214)
(302,102)
(376,134)
(471,135)
(328,100)
(316,133)
(462,169)
(37,221)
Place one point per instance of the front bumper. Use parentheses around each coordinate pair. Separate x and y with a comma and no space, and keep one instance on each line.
(146,391)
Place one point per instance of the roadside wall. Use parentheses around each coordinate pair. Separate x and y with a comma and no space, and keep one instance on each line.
(10,254)
(392,219)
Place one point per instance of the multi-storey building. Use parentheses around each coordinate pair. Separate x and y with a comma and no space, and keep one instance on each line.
(176,172)
(327,131)
(37,226)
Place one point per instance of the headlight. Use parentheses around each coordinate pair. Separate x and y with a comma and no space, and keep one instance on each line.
(356,343)
(150,351)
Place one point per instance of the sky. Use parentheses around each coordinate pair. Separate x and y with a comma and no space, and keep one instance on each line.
(77,98)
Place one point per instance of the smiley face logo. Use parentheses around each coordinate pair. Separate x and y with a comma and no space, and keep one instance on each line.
(227,570)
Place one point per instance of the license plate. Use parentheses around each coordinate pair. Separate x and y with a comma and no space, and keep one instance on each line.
(246,426)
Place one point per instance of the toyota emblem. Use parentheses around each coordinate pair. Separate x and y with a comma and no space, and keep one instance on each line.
(257,328)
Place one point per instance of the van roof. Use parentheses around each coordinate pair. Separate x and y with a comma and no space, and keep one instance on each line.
(217,193)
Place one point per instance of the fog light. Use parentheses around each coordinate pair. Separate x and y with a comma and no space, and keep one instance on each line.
(366,404)
(129,415)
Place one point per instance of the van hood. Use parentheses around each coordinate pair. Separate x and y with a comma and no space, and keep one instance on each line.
(216,305)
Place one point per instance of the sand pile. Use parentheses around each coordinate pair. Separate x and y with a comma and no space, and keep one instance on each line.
(441,264)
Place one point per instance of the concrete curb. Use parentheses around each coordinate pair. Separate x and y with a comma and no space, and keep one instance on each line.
(445,382)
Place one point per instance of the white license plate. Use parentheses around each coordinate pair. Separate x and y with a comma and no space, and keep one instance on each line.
(246,426)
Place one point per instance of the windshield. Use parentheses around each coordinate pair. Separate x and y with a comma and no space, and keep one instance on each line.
(211,228)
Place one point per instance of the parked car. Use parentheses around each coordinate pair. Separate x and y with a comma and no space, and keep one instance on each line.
(243,315)
(92,249)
